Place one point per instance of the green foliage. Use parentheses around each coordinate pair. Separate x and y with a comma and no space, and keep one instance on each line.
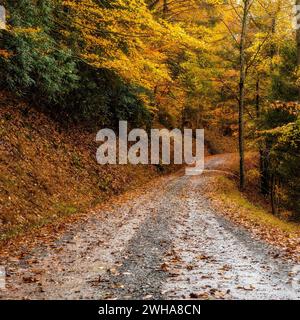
(35,63)
(40,61)
(30,71)
(278,114)
(281,145)
(103,98)
(285,164)
(283,80)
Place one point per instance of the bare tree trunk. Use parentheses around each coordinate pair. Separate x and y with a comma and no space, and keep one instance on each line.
(264,150)
(262,161)
(273,195)
(257,99)
(298,40)
(298,36)
(242,92)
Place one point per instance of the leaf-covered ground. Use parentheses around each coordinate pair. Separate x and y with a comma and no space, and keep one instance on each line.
(48,171)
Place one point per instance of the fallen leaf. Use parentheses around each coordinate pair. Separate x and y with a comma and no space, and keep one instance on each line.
(164,267)
(250,288)
(29,279)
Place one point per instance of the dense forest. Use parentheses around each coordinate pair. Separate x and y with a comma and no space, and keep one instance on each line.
(228,66)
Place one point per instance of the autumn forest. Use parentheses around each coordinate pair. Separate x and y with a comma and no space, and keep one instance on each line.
(231,67)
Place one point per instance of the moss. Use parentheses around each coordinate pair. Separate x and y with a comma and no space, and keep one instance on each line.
(66,209)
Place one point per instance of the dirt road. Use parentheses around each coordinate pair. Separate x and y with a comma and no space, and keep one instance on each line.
(166,243)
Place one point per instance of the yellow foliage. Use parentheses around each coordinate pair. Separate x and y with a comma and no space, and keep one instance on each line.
(127,38)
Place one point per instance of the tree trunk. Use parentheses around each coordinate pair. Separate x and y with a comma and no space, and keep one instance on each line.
(273,195)
(257,99)
(242,93)
(264,151)
(262,163)
(298,40)
(298,34)
(153,4)
(165,8)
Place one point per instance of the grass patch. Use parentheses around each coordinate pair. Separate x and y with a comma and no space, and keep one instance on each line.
(231,196)
(66,209)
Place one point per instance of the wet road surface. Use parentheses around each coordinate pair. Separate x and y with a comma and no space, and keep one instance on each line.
(167,243)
